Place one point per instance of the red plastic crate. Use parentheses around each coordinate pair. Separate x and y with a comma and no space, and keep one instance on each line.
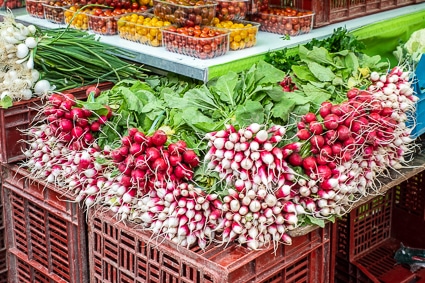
(19,117)
(330,11)
(118,252)
(368,236)
(3,262)
(46,232)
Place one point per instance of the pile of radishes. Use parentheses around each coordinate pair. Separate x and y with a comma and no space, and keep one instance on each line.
(258,209)
(353,143)
(71,122)
(272,182)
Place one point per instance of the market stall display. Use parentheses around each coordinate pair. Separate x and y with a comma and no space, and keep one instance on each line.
(233,167)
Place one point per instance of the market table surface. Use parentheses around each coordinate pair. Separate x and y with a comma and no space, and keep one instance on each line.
(410,18)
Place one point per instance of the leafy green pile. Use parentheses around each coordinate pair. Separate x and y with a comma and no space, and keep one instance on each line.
(188,109)
(325,76)
(339,40)
(324,70)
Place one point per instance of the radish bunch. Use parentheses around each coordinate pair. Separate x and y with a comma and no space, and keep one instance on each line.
(257,209)
(183,213)
(147,162)
(258,218)
(71,122)
(249,157)
(75,171)
(287,84)
(354,142)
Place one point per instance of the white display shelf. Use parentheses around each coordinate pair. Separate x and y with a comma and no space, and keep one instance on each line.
(159,58)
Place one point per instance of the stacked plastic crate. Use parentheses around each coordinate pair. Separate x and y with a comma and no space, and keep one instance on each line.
(368,237)
(330,11)
(120,252)
(44,234)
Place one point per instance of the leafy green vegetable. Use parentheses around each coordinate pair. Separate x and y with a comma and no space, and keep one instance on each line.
(6,102)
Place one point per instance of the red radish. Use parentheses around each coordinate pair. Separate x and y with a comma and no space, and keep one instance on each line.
(95,126)
(190,157)
(56,99)
(303,134)
(159,164)
(317,141)
(309,163)
(295,159)
(93,90)
(126,141)
(309,117)
(136,149)
(175,160)
(159,138)
(352,93)
(77,113)
(331,121)
(343,132)
(66,125)
(139,137)
(316,128)
(152,154)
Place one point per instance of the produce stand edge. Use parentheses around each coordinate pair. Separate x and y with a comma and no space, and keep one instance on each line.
(207,69)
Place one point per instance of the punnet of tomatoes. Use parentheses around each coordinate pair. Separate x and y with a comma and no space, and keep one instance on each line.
(76,17)
(185,13)
(143,28)
(11,4)
(54,11)
(286,21)
(243,34)
(231,9)
(201,42)
(35,8)
(103,21)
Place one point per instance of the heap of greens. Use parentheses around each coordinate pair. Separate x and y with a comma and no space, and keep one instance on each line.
(324,70)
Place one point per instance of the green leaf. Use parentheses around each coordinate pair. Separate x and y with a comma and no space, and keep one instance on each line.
(315,221)
(276,93)
(351,62)
(302,72)
(194,118)
(301,109)
(268,74)
(283,109)
(225,87)
(134,102)
(315,95)
(338,81)
(201,98)
(297,96)
(322,73)
(250,112)
(6,102)
(319,55)
(173,101)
